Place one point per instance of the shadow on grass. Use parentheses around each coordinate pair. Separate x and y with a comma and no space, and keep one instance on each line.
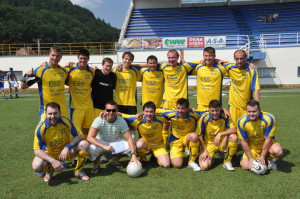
(285,166)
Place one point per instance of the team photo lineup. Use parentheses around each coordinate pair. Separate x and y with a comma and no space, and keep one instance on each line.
(103,115)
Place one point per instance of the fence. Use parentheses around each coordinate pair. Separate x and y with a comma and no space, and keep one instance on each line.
(67,48)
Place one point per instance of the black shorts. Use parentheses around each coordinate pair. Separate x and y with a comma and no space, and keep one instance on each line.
(131,110)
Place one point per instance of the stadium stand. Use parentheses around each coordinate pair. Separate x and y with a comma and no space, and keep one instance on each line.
(217,20)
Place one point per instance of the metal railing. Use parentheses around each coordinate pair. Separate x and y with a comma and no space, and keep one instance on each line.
(67,48)
(281,39)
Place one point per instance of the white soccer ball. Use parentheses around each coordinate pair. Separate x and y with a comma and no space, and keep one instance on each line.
(257,168)
(134,170)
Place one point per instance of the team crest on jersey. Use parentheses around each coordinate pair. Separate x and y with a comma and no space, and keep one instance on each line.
(158,75)
(261,127)
(87,76)
(155,127)
(62,131)
(178,69)
(60,74)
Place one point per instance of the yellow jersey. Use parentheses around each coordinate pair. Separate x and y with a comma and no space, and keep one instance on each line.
(255,131)
(53,139)
(79,81)
(176,82)
(152,86)
(150,131)
(209,128)
(243,83)
(209,82)
(51,87)
(125,91)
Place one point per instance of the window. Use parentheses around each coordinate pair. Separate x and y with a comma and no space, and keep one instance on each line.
(266,72)
(298,71)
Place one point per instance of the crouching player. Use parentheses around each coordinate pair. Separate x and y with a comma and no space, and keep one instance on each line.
(213,127)
(256,130)
(53,144)
(150,130)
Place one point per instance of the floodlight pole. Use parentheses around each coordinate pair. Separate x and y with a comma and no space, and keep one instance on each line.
(38,42)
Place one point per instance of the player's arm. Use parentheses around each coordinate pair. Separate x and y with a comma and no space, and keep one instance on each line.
(64,153)
(256,95)
(29,79)
(246,149)
(128,137)
(92,139)
(57,165)
(223,134)
(265,150)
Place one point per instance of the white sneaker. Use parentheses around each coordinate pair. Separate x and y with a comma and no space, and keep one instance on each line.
(228,166)
(194,166)
(272,165)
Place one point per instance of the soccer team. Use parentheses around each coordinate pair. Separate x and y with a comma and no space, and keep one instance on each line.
(98,123)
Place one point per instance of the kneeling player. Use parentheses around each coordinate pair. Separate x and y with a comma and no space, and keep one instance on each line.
(256,130)
(213,127)
(150,130)
(53,144)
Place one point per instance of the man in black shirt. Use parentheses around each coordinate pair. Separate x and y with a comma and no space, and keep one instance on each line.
(103,86)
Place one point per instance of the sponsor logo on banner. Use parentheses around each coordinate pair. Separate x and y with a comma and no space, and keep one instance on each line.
(195,42)
(178,42)
(131,44)
(152,43)
(218,41)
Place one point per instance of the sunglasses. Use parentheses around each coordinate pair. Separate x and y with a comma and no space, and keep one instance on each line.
(111,110)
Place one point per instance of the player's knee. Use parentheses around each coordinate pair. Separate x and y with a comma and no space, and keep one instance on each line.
(165,164)
(84,145)
(36,167)
(245,165)
(177,165)
(204,165)
(233,138)
(277,151)
(139,144)
(194,137)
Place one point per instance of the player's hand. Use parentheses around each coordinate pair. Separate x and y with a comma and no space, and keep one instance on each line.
(69,64)
(95,67)
(109,148)
(217,139)
(261,160)
(227,114)
(118,67)
(252,66)
(64,154)
(43,64)
(134,159)
(250,162)
(203,156)
(30,73)
(221,62)
(57,165)
(103,114)
(139,116)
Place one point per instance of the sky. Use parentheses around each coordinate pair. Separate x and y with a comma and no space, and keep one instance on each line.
(112,11)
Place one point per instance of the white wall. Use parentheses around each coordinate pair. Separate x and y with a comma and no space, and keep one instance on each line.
(285,60)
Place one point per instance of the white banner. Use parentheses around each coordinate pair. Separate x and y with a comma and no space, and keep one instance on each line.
(175,42)
(216,42)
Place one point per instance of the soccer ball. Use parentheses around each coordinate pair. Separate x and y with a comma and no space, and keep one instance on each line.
(257,168)
(134,170)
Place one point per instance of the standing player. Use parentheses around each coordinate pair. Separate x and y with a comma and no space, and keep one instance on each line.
(2,84)
(150,128)
(109,131)
(125,93)
(103,86)
(213,127)
(244,83)
(209,79)
(12,82)
(183,128)
(57,139)
(80,78)
(52,82)
(256,130)
(152,82)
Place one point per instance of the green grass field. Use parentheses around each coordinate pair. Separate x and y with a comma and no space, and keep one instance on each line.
(19,118)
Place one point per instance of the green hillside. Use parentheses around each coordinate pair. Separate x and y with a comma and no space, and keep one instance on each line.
(51,21)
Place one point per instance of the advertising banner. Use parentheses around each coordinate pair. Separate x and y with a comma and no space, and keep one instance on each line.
(195,42)
(152,43)
(131,44)
(215,41)
(175,42)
